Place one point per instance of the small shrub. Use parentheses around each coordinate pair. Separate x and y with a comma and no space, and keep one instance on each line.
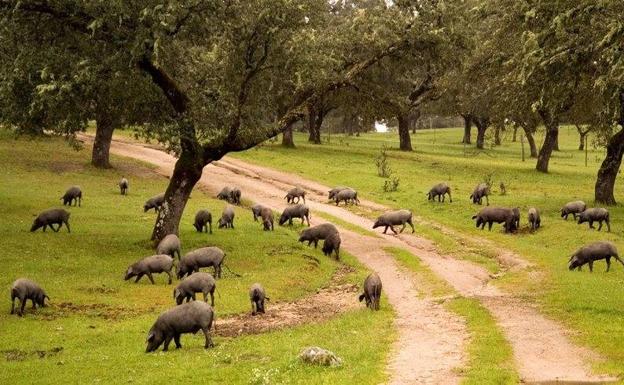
(391,185)
(381,161)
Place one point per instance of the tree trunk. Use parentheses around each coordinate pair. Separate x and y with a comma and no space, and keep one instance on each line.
(528,132)
(405,142)
(514,138)
(287,138)
(413,120)
(467,128)
(315,121)
(186,173)
(582,141)
(556,147)
(497,138)
(552,132)
(100,157)
(482,126)
(610,167)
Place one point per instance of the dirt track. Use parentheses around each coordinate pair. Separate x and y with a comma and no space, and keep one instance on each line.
(431,340)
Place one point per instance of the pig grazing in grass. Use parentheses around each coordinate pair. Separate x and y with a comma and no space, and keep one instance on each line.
(296,211)
(72,195)
(170,245)
(24,289)
(482,190)
(51,217)
(257,296)
(196,283)
(256,210)
(594,252)
(347,196)
(295,193)
(203,220)
(489,215)
(394,218)
(573,208)
(154,202)
(123,186)
(332,245)
(190,317)
(202,257)
(230,194)
(316,233)
(227,218)
(595,215)
(267,218)
(534,219)
(440,190)
(372,291)
(154,264)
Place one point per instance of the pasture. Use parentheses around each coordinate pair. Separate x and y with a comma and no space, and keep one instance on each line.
(591,305)
(97,323)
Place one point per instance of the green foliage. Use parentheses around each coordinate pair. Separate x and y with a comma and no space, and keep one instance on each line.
(382,164)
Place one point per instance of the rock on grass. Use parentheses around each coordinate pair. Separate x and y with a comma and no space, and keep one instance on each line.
(319,356)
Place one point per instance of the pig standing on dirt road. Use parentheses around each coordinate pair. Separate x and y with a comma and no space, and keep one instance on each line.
(257,296)
(394,218)
(372,291)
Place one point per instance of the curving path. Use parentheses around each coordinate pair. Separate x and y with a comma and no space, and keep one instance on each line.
(431,339)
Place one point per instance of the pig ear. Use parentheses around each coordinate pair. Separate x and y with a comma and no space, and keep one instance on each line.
(150,337)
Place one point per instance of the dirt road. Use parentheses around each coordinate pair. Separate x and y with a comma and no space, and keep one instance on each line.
(431,339)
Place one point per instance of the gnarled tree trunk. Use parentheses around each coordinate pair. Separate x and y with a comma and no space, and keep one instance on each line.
(528,132)
(610,167)
(482,126)
(100,157)
(514,137)
(552,132)
(467,128)
(405,141)
(315,121)
(287,138)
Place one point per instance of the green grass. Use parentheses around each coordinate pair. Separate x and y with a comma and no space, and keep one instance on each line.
(490,359)
(100,321)
(596,316)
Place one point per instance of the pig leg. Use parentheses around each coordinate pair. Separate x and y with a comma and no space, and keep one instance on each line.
(167,342)
(34,305)
(599,225)
(22,305)
(138,277)
(402,228)
(315,243)
(13,305)
(55,230)
(253,308)
(411,225)
(169,274)
(489,225)
(608,259)
(393,230)
(385,229)
(194,297)
(608,225)
(67,225)
(176,339)
(591,266)
(209,343)
(617,258)
(210,224)
(149,275)
(212,298)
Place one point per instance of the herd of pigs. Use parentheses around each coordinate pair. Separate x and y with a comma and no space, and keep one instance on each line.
(192,316)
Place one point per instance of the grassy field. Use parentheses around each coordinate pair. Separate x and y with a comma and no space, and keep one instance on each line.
(590,304)
(96,327)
